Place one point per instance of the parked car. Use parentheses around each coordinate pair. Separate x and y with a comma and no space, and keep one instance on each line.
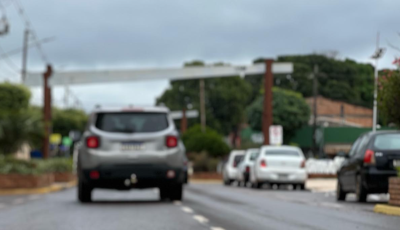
(244,167)
(369,164)
(279,165)
(230,169)
(131,148)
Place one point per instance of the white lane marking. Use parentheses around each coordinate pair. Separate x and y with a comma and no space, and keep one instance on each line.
(330,205)
(200,219)
(187,209)
(18,201)
(216,228)
(34,197)
(156,191)
(177,203)
(375,197)
(2,205)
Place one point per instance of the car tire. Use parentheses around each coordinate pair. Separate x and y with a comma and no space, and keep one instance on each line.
(361,192)
(340,194)
(256,185)
(84,192)
(164,193)
(302,187)
(228,182)
(176,192)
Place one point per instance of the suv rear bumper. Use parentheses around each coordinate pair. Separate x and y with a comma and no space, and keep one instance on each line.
(138,175)
(377,181)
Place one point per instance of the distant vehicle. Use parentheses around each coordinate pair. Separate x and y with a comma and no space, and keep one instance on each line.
(369,164)
(279,165)
(244,167)
(230,169)
(131,148)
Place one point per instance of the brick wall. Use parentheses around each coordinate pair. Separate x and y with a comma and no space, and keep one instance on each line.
(352,113)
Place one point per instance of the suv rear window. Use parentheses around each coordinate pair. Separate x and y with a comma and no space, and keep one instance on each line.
(131,122)
(238,158)
(387,141)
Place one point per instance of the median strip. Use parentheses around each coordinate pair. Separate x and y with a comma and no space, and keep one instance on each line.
(48,189)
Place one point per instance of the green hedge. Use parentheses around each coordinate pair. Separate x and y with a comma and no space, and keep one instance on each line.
(10,165)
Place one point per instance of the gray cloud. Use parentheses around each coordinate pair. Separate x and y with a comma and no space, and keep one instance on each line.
(94,34)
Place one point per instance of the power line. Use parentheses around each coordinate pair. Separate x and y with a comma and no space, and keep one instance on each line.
(9,62)
(31,29)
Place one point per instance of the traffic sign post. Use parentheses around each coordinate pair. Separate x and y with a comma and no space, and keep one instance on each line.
(275,135)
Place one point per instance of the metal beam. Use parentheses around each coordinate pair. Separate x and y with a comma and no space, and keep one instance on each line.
(104,76)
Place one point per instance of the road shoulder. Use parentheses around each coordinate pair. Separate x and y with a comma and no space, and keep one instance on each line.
(51,188)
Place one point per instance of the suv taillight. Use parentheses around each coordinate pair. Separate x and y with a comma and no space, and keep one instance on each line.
(263,163)
(303,164)
(369,157)
(171,141)
(247,169)
(92,142)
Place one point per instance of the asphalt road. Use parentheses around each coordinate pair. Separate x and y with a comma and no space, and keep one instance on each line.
(206,206)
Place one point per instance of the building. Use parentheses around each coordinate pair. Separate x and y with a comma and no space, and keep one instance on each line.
(332,113)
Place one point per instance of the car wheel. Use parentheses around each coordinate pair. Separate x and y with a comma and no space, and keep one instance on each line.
(256,185)
(176,192)
(340,194)
(302,187)
(164,193)
(361,192)
(84,192)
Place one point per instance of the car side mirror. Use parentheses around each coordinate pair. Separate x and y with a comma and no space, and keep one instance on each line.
(342,154)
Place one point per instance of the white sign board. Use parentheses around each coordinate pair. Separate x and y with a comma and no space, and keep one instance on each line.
(275,135)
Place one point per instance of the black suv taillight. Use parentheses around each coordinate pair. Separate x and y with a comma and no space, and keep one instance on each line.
(171,141)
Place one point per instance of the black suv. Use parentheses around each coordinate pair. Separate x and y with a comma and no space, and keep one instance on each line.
(369,164)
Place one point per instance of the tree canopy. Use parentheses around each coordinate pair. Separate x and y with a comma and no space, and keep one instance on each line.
(389,96)
(225,99)
(289,110)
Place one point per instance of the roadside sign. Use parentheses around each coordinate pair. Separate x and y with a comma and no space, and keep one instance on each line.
(275,135)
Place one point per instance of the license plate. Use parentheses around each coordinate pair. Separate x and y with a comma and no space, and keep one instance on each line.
(396,163)
(282,176)
(132,146)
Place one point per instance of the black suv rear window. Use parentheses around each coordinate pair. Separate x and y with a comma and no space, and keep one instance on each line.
(387,141)
(131,122)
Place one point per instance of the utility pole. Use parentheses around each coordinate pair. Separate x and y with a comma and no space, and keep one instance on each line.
(202,106)
(267,107)
(24,55)
(47,111)
(183,121)
(315,110)
(378,54)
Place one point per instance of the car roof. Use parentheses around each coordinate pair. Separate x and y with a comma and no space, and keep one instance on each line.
(152,109)
(281,147)
(237,152)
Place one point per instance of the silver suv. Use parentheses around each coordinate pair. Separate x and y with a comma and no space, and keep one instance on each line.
(131,148)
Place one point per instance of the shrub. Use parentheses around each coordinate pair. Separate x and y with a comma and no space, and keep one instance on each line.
(209,141)
(389,96)
(9,165)
(202,162)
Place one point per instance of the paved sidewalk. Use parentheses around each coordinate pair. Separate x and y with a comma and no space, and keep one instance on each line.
(321,184)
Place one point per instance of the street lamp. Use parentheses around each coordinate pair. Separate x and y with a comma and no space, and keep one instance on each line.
(378,54)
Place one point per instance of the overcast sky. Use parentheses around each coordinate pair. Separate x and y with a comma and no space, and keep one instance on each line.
(101,34)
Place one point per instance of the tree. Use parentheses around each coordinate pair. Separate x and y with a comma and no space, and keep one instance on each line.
(19,123)
(389,96)
(289,110)
(65,120)
(209,141)
(226,99)
(346,80)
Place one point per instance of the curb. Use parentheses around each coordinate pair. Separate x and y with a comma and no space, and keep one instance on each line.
(387,209)
(51,188)
(204,181)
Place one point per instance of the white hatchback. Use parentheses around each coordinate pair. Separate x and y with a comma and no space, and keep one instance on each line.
(279,165)
(230,169)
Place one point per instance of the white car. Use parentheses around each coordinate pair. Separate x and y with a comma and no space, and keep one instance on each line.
(230,169)
(279,165)
(244,167)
